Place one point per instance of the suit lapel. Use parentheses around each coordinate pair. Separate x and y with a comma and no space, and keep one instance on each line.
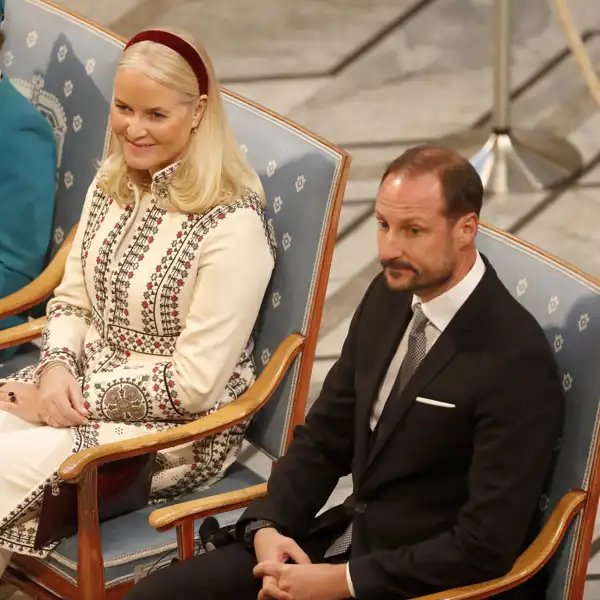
(395,317)
(455,337)
(436,359)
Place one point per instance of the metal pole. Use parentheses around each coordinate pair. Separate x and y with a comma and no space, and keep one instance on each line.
(502,44)
(508,159)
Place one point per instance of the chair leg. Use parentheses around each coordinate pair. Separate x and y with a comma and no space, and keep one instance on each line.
(90,568)
(185,540)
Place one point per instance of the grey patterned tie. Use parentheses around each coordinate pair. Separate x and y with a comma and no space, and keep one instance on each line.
(417,346)
(415,353)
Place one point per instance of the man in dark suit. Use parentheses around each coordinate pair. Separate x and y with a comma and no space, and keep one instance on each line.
(445,407)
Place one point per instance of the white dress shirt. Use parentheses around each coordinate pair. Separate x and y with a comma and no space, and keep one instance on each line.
(439,311)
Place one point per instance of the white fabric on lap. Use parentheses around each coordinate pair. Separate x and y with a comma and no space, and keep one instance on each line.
(28,454)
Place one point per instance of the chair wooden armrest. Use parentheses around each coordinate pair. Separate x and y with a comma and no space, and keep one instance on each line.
(19,334)
(75,467)
(531,561)
(166,518)
(42,286)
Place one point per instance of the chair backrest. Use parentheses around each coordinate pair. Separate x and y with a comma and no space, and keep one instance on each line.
(566,303)
(65,66)
(304,179)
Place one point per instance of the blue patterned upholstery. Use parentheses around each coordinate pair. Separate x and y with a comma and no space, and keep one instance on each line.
(567,306)
(66,68)
(301,177)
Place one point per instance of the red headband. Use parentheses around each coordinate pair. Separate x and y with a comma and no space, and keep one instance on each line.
(180,46)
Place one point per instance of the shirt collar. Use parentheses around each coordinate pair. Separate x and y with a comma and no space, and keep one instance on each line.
(441,310)
(161,181)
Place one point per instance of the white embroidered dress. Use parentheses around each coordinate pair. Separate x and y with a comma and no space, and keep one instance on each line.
(154,317)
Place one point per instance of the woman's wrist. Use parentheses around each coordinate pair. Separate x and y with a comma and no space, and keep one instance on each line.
(47,368)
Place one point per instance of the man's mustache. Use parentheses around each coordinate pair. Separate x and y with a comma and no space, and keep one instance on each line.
(398,264)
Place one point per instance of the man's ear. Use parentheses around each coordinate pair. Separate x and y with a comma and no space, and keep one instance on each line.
(467,227)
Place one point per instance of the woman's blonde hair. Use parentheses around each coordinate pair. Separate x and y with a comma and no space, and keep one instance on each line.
(213,169)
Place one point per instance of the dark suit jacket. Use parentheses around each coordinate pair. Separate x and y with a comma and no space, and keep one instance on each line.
(445,496)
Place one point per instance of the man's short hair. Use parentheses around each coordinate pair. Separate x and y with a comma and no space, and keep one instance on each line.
(460,182)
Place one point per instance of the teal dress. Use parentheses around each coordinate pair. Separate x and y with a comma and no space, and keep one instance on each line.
(27,188)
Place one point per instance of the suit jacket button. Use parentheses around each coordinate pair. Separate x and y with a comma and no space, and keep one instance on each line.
(360,507)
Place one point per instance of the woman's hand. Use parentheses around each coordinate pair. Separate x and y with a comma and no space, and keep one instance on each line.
(61,399)
(22,400)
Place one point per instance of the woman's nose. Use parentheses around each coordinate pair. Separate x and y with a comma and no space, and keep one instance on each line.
(135,128)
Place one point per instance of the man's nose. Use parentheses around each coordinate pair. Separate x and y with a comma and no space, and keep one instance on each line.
(391,247)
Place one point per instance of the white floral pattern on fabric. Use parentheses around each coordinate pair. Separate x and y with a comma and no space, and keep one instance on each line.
(32,38)
(9,58)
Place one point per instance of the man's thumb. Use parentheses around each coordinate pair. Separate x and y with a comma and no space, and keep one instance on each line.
(297,554)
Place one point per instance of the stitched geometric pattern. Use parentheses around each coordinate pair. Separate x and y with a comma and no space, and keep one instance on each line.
(136,341)
(100,205)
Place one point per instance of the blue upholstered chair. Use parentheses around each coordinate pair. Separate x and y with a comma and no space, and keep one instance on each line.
(304,179)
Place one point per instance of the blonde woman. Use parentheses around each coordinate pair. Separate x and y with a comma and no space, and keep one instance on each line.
(152,323)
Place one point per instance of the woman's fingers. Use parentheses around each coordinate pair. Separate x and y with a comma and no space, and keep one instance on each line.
(9,407)
(76,398)
(67,412)
(60,413)
(66,415)
(54,418)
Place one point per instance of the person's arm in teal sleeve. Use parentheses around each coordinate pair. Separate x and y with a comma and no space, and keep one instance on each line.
(27,189)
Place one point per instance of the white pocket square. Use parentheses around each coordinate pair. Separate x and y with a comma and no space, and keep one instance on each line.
(434,402)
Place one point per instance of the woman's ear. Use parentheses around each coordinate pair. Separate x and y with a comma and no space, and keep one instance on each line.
(199,111)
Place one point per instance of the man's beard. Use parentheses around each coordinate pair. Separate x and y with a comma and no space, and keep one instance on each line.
(421,281)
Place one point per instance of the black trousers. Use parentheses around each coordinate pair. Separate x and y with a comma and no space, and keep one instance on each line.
(222,574)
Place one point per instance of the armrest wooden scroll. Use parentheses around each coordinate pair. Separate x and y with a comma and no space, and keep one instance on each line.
(239,410)
(166,518)
(42,286)
(531,561)
(19,334)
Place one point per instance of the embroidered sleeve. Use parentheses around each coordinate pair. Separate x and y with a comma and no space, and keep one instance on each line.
(69,312)
(205,368)
(154,393)
(134,394)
